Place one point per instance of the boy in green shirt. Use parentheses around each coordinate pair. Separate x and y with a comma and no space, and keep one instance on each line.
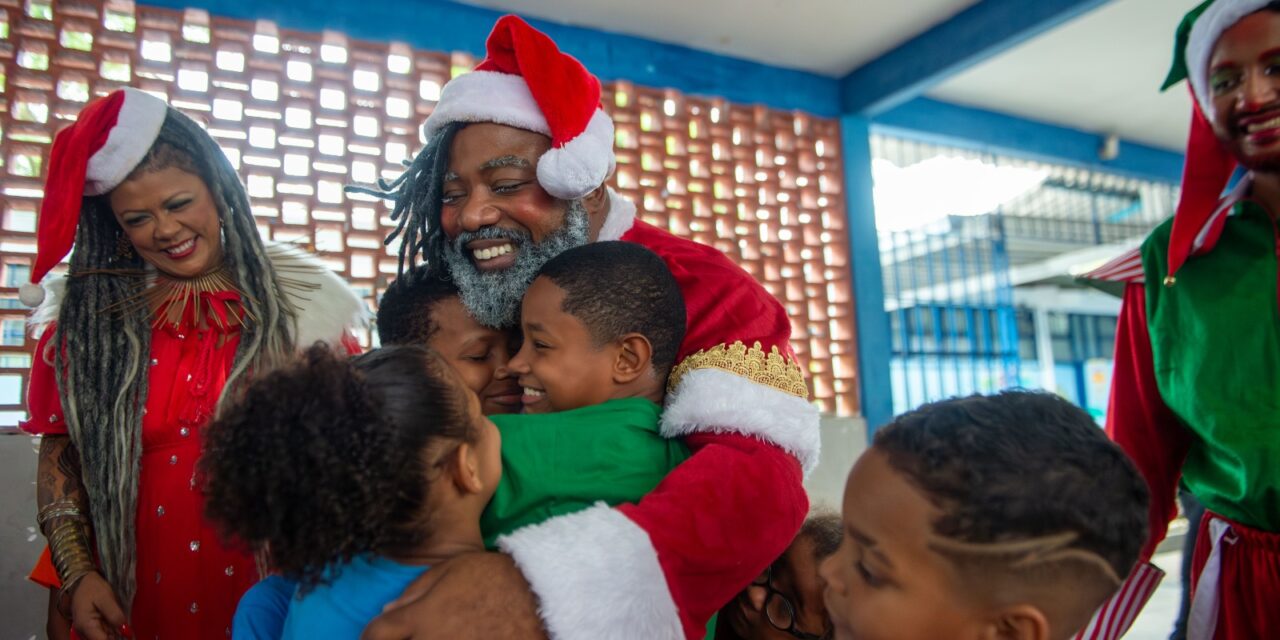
(601,326)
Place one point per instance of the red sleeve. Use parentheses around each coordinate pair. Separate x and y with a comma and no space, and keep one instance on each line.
(43,401)
(1138,419)
(718,519)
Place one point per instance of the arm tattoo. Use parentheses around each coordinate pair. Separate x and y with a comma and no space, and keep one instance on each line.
(58,473)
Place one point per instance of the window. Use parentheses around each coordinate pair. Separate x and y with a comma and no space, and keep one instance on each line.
(13,332)
(16,274)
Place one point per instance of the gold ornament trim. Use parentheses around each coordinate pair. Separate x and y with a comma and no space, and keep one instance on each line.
(770,369)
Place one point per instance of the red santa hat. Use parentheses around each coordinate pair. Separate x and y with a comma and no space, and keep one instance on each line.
(90,157)
(1209,164)
(525,81)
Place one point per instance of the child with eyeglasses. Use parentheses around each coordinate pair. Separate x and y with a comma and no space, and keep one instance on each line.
(785,602)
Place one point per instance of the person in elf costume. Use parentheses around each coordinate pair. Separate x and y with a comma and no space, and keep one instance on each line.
(171,300)
(513,173)
(1196,389)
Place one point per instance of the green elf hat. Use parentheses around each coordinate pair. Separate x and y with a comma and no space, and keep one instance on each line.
(1208,168)
(1178,71)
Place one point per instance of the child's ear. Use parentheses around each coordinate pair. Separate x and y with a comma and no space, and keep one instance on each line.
(634,358)
(464,469)
(1019,622)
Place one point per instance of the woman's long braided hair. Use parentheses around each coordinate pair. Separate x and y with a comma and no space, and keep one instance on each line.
(101,357)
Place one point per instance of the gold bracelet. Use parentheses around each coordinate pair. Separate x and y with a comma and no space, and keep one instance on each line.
(69,548)
(62,508)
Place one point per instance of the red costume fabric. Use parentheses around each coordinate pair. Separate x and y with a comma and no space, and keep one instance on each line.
(1247,584)
(718,519)
(188,582)
(697,517)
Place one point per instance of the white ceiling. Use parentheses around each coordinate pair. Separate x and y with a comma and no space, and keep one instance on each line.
(830,37)
(1100,73)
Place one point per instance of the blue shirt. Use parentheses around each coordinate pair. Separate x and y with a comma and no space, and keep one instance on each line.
(262,609)
(345,606)
(339,609)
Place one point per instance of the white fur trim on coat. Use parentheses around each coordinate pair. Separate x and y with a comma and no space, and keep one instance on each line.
(715,401)
(582,164)
(487,96)
(620,219)
(596,575)
(327,308)
(1220,16)
(137,126)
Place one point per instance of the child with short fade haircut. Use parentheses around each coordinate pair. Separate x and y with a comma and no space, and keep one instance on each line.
(423,307)
(602,324)
(1006,516)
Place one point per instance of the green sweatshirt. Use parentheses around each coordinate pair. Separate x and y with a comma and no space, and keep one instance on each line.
(558,463)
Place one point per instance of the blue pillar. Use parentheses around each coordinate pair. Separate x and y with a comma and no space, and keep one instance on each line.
(876,392)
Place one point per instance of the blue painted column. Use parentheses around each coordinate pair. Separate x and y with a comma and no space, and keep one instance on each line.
(876,392)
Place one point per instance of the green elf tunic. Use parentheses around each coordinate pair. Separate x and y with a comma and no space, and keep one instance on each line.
(1215,341)
(558,463)
(1196,388)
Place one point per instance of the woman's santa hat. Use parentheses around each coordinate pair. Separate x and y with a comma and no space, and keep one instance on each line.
(89,158)
(1209,163)
(525,81)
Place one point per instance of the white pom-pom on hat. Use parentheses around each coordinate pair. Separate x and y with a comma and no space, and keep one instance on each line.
(31,294)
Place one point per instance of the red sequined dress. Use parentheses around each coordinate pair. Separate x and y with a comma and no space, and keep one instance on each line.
(188,581)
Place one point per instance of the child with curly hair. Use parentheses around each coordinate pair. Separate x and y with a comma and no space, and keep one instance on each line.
(356,475)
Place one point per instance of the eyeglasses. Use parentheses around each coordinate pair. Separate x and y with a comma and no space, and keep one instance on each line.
(779,610)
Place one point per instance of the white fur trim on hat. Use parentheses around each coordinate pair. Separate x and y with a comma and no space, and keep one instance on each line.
(137,126)
(620,219)
(487,96)
(716,401)
(582,164)
(596,575)
(1220,16)
(52,290)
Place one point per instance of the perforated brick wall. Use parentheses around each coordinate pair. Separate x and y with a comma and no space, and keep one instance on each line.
(302,114)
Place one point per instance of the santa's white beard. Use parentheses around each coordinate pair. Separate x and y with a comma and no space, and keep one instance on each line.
(493,297)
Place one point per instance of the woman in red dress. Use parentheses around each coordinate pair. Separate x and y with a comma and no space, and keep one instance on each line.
(172,299)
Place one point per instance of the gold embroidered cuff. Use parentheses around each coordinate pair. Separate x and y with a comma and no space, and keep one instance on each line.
(769,369)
